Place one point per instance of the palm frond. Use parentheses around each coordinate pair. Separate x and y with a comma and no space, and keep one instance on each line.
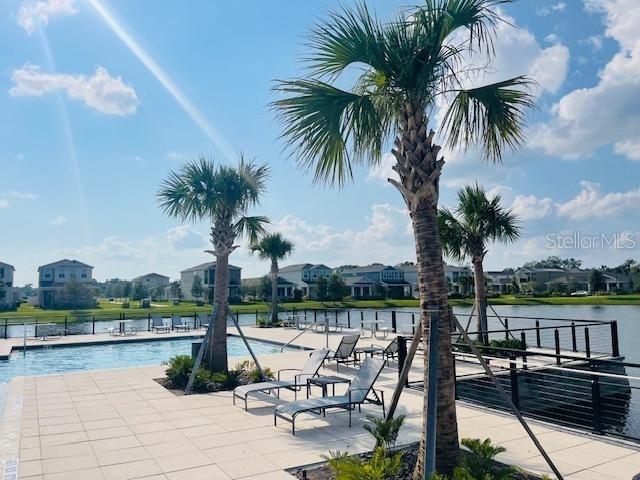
(251,228)
(345,38)
(452,235)
(323,123)
(491,116)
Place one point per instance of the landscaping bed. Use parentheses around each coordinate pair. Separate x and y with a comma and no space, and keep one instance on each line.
(179,369)
(409,456)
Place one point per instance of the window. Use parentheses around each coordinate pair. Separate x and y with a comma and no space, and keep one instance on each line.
(1,272)
(83,274)
(61,275)
(47,275)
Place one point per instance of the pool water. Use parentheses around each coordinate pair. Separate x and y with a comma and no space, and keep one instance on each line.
(52,359)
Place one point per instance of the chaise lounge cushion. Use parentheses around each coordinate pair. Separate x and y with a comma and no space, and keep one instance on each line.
(245,390)
(312,403)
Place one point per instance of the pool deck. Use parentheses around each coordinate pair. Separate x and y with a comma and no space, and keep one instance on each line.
(121,424)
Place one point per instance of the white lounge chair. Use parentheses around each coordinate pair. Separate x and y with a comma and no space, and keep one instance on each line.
(357,394)
(309,370)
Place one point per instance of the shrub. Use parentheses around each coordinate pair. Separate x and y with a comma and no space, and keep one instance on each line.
(481,463)
(179,369)
(384,431)
(126,304)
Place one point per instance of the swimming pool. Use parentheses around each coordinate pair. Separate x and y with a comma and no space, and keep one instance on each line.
(54,359)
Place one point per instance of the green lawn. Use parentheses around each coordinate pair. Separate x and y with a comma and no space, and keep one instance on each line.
(113,310)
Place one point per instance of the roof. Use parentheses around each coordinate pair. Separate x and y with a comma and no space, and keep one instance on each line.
(367,269)
(65,263)
(8,265)
(302,266)
(153,274)
(407,268)
(206,266)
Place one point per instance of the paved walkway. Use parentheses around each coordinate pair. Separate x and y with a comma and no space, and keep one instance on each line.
(121,424)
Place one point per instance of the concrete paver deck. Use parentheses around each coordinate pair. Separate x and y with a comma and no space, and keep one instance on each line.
(121,424)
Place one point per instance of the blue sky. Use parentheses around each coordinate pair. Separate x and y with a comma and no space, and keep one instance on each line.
(100,99)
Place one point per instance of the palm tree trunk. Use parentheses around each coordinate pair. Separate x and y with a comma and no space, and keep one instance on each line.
(274,290)
(217,348)
(419,168)
(433,294)
(481,299)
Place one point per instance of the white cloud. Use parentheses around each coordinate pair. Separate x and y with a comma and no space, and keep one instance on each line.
(591,202)
(185,237)
(4,204)
(556,7)
(32,14)
(101,91)
(609,112)
(58,221)
(386,237)
(21,195)
(383,170)
(530,207)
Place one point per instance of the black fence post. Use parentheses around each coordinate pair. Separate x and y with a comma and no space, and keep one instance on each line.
(315,315)
(394,322)
(587,342)
(523,339)
(506,328)
(402,355)
(615,347)
(556,337)
(413,323)
(348,318)
(538,333)
(574,340)
(595,400)
(93,326)
(6,326)
(513,376)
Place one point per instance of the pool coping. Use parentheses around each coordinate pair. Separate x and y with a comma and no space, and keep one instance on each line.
(6,353)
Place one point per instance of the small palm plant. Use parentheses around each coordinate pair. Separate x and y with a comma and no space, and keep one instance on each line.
(402,70)
(480,464)
(466,231)
(221,195)
(273,247)
(383,464)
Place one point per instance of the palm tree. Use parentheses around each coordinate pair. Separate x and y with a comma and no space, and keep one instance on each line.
(465,233)
(273,247)
(402,70)
(221,195)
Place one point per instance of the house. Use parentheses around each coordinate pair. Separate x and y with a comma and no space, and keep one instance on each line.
(152,282)
(54,276)
(571,280)
(8,294)
(305,276)
(537,279)
(250,287)
(459,278)
(365,281)
(207,273)
(499,282)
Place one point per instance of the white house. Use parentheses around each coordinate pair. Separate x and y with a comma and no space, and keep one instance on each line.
(375,276)
(8,296)
(459,278)
(207,273)
(305,276)
(152,282)
(500,281)
(54,276)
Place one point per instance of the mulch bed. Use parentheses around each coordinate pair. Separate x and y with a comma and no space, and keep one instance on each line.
(323,472)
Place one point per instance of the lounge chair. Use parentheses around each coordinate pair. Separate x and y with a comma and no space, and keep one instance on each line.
(357,394)
(390,352)
(202,321)
(178,325)
(345,351)
(158,326)
(309,370)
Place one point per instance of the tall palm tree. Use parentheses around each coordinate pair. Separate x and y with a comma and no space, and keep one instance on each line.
(273,247)
(402,70)
(221,195)
(465,233)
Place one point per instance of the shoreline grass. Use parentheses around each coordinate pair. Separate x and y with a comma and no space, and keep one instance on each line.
(113,310)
